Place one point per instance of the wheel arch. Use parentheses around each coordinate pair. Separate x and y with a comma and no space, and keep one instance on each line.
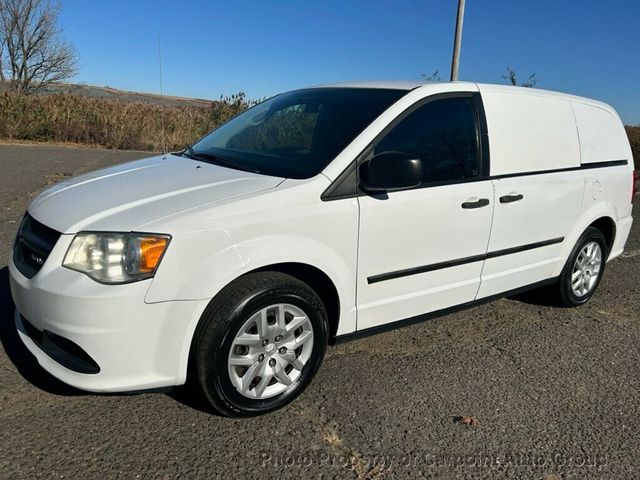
(607,226)
(311,275)
(601,215)
(319,282)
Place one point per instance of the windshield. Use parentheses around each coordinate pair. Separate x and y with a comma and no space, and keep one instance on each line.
(295,134)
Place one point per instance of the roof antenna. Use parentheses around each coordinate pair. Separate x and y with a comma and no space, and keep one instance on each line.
(164,140)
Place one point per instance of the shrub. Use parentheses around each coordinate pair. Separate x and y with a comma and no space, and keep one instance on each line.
(634,139)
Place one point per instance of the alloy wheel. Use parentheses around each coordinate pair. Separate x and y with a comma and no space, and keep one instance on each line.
(586,269)
(270,350)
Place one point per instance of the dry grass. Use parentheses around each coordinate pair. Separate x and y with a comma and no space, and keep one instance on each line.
(68,118)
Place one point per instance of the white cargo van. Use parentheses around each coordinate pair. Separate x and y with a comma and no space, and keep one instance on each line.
(318,216)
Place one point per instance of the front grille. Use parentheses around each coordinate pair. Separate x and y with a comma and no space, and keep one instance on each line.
(34,243)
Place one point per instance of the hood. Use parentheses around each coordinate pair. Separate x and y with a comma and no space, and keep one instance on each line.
(129,195)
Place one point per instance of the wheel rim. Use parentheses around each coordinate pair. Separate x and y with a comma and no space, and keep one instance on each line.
(586,269)
(270,350)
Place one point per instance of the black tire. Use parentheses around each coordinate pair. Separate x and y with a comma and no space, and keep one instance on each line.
(564,295)
(220,323)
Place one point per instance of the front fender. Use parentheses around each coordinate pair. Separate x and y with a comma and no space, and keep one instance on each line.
(229,263)
(184,275)
(212,273)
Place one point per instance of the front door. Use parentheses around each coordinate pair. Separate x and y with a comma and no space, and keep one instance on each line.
(422,249)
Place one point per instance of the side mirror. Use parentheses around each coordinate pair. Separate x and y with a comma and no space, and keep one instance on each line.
(390,171)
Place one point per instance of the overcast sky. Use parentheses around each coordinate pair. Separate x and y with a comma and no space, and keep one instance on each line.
(210,48)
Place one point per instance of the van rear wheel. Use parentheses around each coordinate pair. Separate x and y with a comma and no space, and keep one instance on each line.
(259,343)
(584,269)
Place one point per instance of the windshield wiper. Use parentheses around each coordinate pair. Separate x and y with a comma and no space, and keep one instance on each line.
(189,152)
(216,160)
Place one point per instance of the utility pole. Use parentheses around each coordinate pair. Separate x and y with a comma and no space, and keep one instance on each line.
(455,62)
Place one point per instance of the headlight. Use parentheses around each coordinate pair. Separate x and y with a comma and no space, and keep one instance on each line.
(116,257)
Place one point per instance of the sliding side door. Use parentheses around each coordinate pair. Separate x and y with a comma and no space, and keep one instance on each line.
(538,184)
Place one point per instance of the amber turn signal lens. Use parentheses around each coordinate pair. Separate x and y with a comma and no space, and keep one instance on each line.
(151,249)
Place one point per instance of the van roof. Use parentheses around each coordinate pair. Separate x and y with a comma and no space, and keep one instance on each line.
(390,84)
(486,87)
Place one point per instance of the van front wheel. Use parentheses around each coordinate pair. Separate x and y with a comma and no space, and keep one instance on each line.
(584,268)
(260,342)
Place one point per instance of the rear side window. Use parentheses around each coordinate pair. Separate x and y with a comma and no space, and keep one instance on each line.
(443,134)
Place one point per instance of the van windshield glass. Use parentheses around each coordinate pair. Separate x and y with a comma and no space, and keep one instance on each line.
(295,134)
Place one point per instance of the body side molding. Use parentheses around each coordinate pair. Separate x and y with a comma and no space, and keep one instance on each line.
(460,261)
(583,166)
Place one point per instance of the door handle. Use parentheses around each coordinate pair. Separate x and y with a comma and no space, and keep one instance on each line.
(512,197)
(482,202)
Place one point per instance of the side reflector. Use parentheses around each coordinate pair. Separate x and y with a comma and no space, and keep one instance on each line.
(150,252)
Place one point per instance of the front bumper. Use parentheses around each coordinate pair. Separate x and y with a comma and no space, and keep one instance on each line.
(136,345)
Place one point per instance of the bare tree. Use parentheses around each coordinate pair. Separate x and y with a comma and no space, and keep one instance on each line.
(32,50)
(434,77)
(510,76)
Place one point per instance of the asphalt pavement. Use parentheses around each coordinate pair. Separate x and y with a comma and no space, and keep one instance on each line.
(556,391)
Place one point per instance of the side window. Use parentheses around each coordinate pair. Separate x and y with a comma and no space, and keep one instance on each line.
(443,134)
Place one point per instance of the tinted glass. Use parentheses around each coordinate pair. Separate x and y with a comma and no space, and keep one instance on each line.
(296,134)
(443,134)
